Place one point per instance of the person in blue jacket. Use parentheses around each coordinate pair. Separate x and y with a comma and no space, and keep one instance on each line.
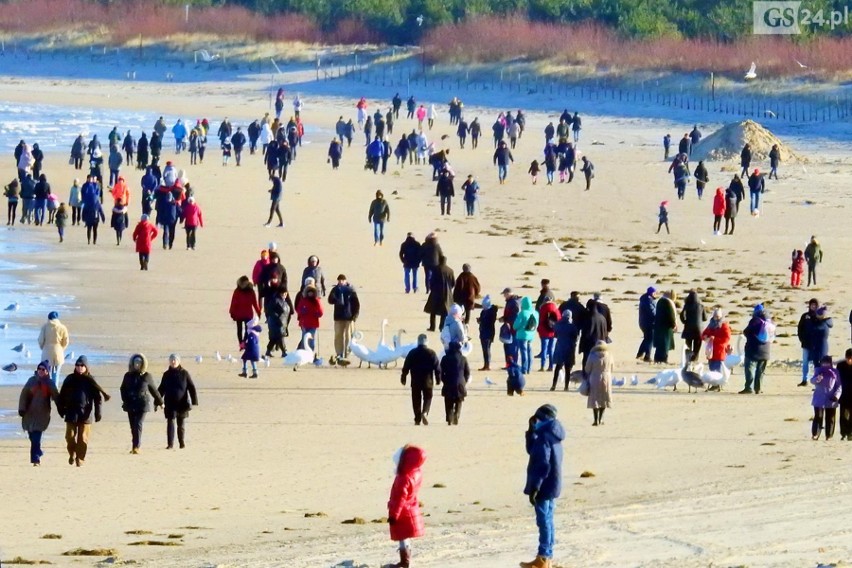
(647,315)
(167,215)
(374,154)
(149,186)
(544,478)
(179,132)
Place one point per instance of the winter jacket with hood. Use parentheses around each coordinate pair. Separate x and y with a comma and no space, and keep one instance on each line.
(455,373)
(244,303)
(755,348)
(403,505)
(827,388)
(523,323)
(567,334)
(720,334)
(599,367)
(430,252)
(34,403)
(136,388)
(548,317)
(647,311)
(544,470)
(314,272)
(719,203)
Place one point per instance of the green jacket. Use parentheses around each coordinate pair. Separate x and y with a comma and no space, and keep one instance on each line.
(379,211)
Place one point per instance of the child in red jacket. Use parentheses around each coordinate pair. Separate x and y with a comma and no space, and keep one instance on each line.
(404,516)
(797,268)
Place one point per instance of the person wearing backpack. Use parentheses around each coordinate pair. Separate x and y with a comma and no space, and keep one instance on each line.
(525,326)
(758,333)
(135,388)
(548,315)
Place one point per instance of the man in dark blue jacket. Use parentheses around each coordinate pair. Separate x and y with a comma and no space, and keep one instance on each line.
(759,334)
(544,477)
(647,314)
(409,255)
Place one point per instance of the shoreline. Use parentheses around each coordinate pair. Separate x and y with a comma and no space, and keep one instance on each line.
(320,440)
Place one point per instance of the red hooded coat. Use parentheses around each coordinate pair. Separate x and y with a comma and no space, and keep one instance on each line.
(719,203)
(143,235)
(403,504)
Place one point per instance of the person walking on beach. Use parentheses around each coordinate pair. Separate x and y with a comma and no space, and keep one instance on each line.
(844,373)
(693,317)
(430,252)
(12,193)
(774,160)
(275,195)
(34,408)
(805,333)
(667,144)
(442,281)
(92,214)
(405,518)
(576,126)
(61,221)
(665,324)
(118,221)
(702,177)
(193,219)
(53,339)
(78,151)
(309,312)
(756,186)
(136,387)
(244,306)
(425,371)
(647,315)
(378,215)
(470,190)
(335,153)
(524,328)
(663,217)
(598,370)
(142,148)
(813,256)
(797,268)
(548,317)
(502,157)
(251,349)
(143,235)
(745,159)
(487,321)
(314,270)
(826,398)
(543,441)
(179,396)
(466,290)
(588,169)
(718,332)
(79,403)
(758,333)
(409,255)
(565,351)
(347,307)
(455,375)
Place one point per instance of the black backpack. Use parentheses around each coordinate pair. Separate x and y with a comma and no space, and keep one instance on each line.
(531,323)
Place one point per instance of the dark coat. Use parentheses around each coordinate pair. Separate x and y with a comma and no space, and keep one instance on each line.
(466,289)
(544,470)
(693,317)
(819,338)
(755,348)
(430,251)
(647,312)
(409,253)
(566,342)
(34,403)
(78,397)
(441,291)
(345,301)
(488,323)
(594,330)
(805,329)
(445,187)
(135,389)
(664,324)
(455,374)
(423,365)
(178,390)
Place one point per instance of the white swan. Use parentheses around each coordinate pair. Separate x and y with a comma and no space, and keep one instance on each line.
(383,350)
(715,380)
(670,377)
(302,356)
(402,349)
(366,355)
(734,360)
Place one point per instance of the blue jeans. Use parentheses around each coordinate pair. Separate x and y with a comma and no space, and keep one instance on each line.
(502,172)
(549,175)
(753,373)
(411,278)
(525,348)
(40,209)
(755,200)
(486,351)
(547,345)
(470,207)
(35,446)
(576,136)
(313,332)
(54,373)
(427,275)
(544,510)
(715,366)
(647,343)
(378,231)
(806,359)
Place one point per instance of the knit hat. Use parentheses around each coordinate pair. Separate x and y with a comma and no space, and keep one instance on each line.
(310,282)
(273,246)
(651,290)
(82,360)
(53,315)
(486,302)
(456,310)
(546,412)
(44,365)
(174,357)
(718,313)
(143,217)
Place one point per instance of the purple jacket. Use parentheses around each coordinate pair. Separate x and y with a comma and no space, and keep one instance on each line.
(828,388)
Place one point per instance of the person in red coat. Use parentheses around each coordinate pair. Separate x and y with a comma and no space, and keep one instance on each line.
(309,312)
(719,332)
(143,235)
(244,306)
(719,207)
(548,315)
(404,516)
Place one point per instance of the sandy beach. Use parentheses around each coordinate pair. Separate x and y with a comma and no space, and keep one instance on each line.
(678,479)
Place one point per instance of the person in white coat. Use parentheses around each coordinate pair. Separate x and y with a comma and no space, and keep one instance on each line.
(53,339)
(265,136)
(431,113)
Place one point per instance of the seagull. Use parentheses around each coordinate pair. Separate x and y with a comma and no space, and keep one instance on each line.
(27,354)
(770,114)
(618,382)
(199,358)
(489,382)
(559,251)
(634,381)
(19,347)
(751,74)
(4,326)
(10,368)
(802,65)
(12,307)
(230,358)
(69,356)
(218,356)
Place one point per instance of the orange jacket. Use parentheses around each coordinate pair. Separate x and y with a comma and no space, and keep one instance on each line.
(120,192)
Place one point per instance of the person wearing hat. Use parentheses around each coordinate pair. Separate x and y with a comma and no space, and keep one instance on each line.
(455,374)
(665,324)
(378,215)
(34,408)
(758,334)
(647,313)
(544,478)
(719,333)
(470,192)
(347,307)
(487,321)
(805,333)
(510,313)
(144,235)
(314,270)
(79,403)
(179,396)
(136,387)
(335,153)
(756,186)
(53,339)
(813,256)
(425,371)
